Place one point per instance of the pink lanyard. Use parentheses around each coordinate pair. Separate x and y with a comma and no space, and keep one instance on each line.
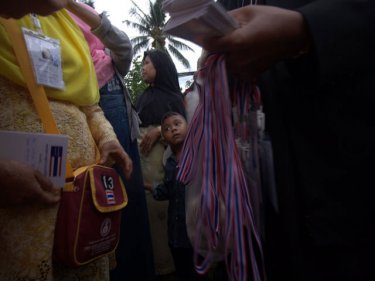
(210,149)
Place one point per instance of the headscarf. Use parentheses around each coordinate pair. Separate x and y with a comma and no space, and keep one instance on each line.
(102,60)
(163,94)
(81,87)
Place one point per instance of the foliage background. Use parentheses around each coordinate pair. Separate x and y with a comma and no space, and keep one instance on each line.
(133,79)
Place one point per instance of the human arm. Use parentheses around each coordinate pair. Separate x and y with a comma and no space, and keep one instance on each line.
(149,139)
(340,35)
(106,139)
(22,185)
(115,40)
(89,17)
(266,35)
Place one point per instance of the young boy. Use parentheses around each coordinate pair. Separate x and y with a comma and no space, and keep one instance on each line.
(174,130)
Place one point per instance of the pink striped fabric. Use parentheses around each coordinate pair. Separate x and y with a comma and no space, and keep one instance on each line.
(210,150)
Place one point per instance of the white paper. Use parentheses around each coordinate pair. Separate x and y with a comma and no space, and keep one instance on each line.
(44,152)
(195,20)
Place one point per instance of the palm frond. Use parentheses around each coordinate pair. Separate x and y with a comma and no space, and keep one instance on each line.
(140,20)
(176,53)
(179,44)
(139,27)
(137,9)
(139,40)
(157,14)
(150,27)
(139,46)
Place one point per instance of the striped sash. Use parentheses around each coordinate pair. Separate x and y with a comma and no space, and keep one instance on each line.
(210,152)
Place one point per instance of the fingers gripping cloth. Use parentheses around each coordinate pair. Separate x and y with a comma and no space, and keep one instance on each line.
(224,220)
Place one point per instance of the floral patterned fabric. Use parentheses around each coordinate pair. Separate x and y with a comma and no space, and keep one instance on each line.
(26,234)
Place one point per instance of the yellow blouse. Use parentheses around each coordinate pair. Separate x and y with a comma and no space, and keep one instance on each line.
(81,86)
(27,233)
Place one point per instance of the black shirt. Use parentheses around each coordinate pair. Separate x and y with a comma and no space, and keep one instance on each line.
(174,191)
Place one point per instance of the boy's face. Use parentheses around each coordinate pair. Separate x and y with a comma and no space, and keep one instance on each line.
(174,129)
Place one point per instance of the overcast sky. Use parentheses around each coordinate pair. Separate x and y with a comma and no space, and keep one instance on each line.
(118,10)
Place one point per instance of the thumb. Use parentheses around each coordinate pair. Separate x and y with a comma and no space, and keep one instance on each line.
(103,156)
(48,194)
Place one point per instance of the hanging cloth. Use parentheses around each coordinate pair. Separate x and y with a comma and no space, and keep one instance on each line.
(219,208)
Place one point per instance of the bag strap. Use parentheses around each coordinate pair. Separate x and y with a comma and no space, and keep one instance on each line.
(37,92)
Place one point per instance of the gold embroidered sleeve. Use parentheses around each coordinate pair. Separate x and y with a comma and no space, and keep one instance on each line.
(102,131)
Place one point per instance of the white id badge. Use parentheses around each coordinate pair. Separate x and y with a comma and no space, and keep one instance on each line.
(45,54)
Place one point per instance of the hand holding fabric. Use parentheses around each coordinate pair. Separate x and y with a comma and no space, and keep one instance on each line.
(266,35)
(113,149)
(22,185)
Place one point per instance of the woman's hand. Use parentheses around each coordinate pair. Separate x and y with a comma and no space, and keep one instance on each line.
(148,141)
(114,150)
(22,185)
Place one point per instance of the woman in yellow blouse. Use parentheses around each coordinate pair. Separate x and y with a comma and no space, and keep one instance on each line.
(26,232)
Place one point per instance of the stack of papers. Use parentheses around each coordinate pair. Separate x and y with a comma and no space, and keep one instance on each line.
(195,20)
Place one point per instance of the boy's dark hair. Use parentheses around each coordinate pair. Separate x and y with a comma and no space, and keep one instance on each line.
(169,114)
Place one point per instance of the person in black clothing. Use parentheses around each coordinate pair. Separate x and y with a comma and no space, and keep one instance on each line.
(174,130)
(161,96)
(315,65)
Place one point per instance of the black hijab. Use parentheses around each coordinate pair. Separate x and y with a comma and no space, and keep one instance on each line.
(164,94)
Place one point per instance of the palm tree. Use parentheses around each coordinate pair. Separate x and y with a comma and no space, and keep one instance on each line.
(150,26)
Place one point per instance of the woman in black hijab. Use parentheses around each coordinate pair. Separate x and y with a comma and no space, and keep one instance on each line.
(162,95)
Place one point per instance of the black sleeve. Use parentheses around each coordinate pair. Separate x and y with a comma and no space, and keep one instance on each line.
(343,37)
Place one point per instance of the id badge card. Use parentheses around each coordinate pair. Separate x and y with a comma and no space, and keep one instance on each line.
(45,54)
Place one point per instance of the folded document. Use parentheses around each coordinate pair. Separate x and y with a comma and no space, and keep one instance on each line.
(44,152)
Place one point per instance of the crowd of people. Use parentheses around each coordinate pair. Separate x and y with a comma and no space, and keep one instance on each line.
(161,96)
(314,64)
(111,53)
